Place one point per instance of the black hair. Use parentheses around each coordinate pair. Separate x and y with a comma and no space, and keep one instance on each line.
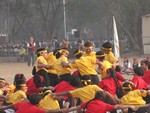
(100,53)
(35,99)
(146,62)
(45,93)
(57,53)
(34,70)
(86,80)
(128,86)
(88,44)
(79,55)
(112,73)
(101,95)
(18,77)
(139,71)
(18,83)
(75,81)
(107,45)
(118,68)
(2,79)
(40,49)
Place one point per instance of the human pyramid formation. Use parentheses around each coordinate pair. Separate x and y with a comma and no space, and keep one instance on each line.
(59,86)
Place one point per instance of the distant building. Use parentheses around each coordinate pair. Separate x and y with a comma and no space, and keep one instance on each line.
(146,33)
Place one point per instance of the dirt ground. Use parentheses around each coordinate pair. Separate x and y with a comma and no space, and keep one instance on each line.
(8,71)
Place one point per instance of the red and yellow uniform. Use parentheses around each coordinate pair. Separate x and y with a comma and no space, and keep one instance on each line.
(61,70)
(134,98)
(85,65)
(139,83)
(97,106)
(85,93)
(26,107)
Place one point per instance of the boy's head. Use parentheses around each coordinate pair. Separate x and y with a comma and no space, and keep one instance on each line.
(35,99)
(78,53)
(75,81)
(126,87)
(88,47)
(46,92)
(86,80)
(107,47)
(135,60)
(59,52)
(21,85)
(41,52)
(118,68)
(110,72)
(65,51)
(100,55)
(2,82)
(18,77)
(145,64)
(138,71)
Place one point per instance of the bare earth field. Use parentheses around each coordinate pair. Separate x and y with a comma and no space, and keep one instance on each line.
(8,71)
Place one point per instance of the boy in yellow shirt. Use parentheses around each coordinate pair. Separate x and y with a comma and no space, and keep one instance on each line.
(133,97)
(105,64)
(63,73)
(19,95)
(107,49)
(42,65)
(52,73)
(88,46)
(85,65)
(48,103)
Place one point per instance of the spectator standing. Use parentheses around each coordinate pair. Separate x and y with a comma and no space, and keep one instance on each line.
(56,43)
(64,43)
(31,46)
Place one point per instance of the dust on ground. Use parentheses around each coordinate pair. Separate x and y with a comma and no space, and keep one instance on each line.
(8,70)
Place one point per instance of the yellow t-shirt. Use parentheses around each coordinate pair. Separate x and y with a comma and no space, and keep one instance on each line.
(18,96)
(92,54)
(106,65)
(42,60)
(85,93)
(134,98)
(85,65)
(61,70)
(1,92)
(51,59)
(48,103)
(10,93)
(110,57)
